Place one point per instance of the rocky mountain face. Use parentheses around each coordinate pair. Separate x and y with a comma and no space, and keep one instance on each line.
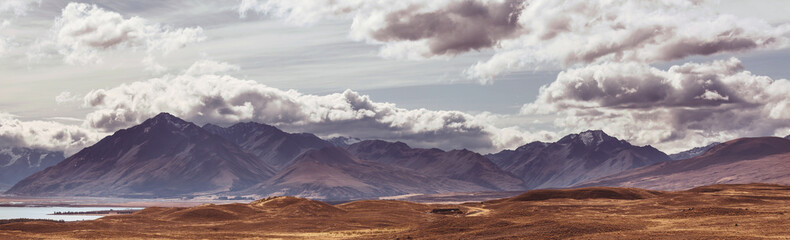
(163,156)
(334,174)
(343,142)
(745,160)
(17,163)
(691,153)
(504,159)
(462,165)
(575,158)
(270,145)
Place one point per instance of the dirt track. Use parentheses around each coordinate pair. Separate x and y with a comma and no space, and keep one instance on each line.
(715,212)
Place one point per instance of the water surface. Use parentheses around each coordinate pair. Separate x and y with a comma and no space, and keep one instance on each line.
(44,212)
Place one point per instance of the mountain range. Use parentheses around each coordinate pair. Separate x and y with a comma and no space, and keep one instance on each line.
(168,157)
(575,158)
(17,163)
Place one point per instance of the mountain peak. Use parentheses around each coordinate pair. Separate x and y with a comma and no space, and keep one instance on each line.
(590,138)
(343,141)
(167,116)
(594,137)
(166,119)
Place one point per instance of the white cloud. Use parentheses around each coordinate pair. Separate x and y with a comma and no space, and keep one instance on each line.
(687,105)
(203,95)
(529,34)
(3,46)
(65,97)
(83,31)
(207,67)
(18,7)
(45,134)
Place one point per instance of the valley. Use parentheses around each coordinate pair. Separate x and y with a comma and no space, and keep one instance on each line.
(717,211)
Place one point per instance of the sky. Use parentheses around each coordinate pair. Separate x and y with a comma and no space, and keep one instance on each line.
(484,75)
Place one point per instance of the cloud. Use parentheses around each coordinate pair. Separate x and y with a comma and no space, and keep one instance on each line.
(687,105)
(66,97)
(208,67)
(45,134)
(530,34)
(83,31)
(458,28)
(17,7)
(204,95)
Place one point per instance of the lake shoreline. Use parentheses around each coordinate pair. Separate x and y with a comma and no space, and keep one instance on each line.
(6,201)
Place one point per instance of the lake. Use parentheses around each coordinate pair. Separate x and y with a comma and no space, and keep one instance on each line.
(44,212)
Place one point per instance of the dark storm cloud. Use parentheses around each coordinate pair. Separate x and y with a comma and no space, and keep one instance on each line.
(459,27)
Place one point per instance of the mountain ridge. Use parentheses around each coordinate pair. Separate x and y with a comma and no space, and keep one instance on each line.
(271,145)
(460,164)
(694,152)
(742,160)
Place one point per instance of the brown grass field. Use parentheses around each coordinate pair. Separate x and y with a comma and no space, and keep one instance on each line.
(753,211)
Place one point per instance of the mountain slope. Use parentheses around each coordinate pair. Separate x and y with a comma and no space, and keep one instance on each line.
(505,158)
(271,145)
(744,160)
(163,156)
(463,165)
(575,158)
(16,163)
(694,152)
(332,173)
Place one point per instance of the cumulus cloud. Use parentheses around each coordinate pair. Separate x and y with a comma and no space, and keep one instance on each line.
(83,31)
(686,105)
(204,94)
(208,67)
(45,134)
(524,34)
